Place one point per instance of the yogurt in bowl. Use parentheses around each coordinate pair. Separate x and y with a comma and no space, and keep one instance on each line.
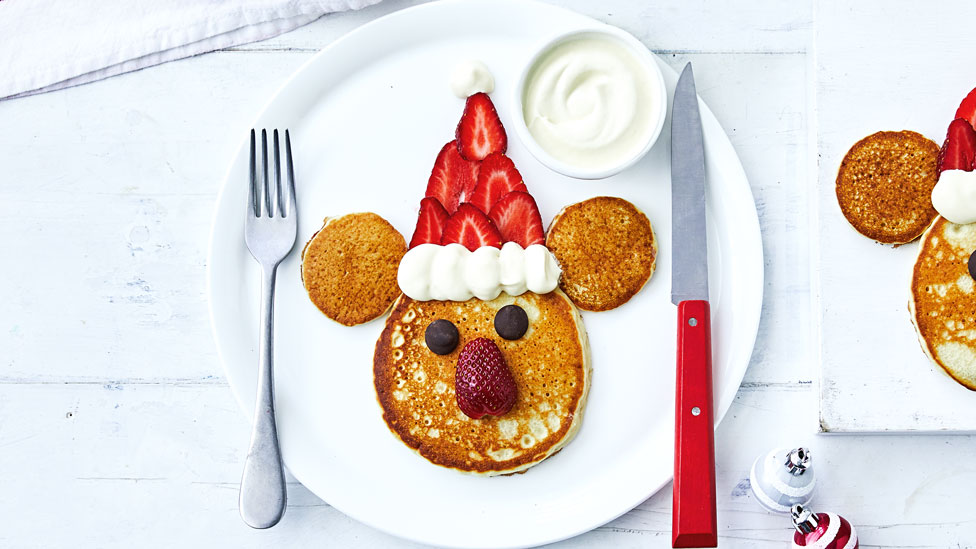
(592,102)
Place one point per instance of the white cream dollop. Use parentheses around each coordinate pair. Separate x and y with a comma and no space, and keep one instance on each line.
(541,269)
(445,265)
(481,273)
(452,272)
(471,77)
(954,196)
(511,266)
(590,102)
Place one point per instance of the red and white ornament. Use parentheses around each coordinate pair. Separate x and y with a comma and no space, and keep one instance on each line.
(822,530)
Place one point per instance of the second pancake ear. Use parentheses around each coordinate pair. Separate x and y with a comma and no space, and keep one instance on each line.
(606,249)
(349,267)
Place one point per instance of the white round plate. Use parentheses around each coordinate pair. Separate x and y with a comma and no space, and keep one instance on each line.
(368,115)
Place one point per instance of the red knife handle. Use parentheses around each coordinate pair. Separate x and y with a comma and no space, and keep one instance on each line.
(694,521)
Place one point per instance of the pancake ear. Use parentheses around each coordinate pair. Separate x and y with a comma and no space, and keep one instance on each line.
(606,249)
(349,267)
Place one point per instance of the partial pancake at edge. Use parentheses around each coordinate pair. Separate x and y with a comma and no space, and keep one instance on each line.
(943,299)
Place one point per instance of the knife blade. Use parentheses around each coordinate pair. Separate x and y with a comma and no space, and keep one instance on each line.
(694,520)
(689,267)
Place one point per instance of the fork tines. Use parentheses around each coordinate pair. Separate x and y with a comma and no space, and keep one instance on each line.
(265,196)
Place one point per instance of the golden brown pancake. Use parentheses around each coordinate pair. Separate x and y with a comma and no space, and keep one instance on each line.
(589,236)
(349,267)
(943,301)
(884,186)
(550,364)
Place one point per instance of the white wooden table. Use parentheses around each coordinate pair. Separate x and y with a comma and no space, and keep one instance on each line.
(117,428)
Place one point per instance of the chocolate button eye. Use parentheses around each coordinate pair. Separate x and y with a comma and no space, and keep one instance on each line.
(972,265)
(511,322)
(441,336)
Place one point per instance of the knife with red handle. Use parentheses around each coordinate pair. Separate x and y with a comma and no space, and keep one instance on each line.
(694,522)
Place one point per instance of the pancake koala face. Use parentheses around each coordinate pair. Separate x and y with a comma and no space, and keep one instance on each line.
(483,364)
(549,363)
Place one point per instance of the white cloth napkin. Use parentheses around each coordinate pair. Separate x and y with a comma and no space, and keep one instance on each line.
(51,44)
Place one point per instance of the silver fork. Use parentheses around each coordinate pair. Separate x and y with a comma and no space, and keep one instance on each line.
(270,226)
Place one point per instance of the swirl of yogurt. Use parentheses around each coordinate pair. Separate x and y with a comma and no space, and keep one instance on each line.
(590,102)
(454,273)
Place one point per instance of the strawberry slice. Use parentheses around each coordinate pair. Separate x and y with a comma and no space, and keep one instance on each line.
(967,109)
(517,218)
(496,178)
(480,132)
(470,227)
(430,224)
(453,178)
(959,150)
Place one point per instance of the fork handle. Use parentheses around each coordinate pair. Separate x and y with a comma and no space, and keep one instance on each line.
(263,492)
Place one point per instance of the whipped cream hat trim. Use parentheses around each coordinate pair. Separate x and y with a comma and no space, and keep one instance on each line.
(453,273)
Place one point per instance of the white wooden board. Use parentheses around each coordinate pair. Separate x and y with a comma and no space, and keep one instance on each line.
(881,67)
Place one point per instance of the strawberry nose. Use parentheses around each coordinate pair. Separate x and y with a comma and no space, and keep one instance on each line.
(483,384)
(480,359)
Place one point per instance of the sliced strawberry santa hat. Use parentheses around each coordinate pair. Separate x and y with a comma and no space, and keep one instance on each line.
(475,195)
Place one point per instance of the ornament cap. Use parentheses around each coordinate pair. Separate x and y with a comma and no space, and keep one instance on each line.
(798,460)
(804,520)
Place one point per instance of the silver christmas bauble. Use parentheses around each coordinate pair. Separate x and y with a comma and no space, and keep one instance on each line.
(783,478)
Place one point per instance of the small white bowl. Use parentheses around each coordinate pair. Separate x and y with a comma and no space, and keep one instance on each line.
(646,59)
